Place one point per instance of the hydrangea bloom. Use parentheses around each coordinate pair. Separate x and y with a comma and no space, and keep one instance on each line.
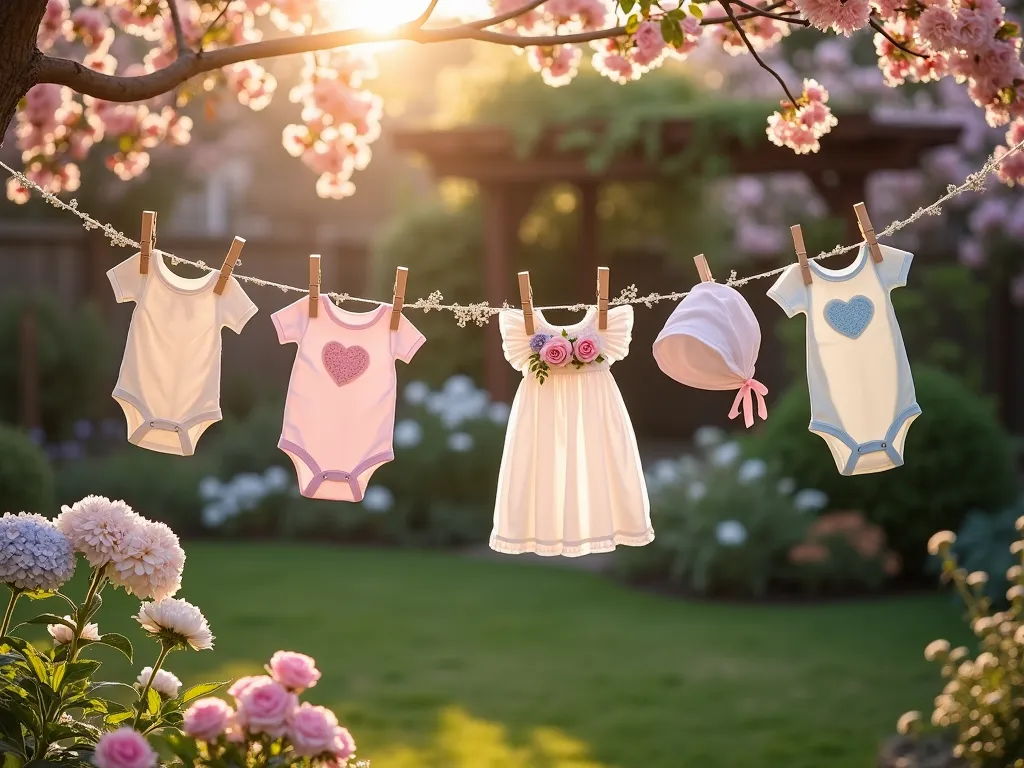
(33,553)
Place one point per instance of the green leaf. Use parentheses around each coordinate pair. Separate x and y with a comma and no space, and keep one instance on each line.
(37,664)
(38,594)
(117,718)
(52,618)
(153,700)
(626,5)
(6,659)
(696,11)
(81,670)
(118,643)
(632,23)
(200,690)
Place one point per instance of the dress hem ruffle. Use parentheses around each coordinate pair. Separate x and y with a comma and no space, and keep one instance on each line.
(572,548)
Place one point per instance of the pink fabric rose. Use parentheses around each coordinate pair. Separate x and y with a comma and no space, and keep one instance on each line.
(295,671)
(124,748)
(207,719)
(557,351)
(265,706)
(311,730)
(587,348)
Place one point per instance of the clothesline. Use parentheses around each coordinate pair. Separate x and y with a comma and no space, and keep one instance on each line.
(481,312)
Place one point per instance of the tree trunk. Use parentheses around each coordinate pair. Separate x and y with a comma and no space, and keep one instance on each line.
(19,57)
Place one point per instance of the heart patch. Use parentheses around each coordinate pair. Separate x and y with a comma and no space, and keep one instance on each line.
(850,318)
(345,364)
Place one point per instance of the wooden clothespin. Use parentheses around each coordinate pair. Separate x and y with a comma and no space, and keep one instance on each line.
(398,299)
(801,253)
(703,269)
(603,275)
(147,241)
(868,231)
(229,263)
(526,297)
(314,283)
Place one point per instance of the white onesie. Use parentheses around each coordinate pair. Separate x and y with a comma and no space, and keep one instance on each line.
(169,384)
(862,392)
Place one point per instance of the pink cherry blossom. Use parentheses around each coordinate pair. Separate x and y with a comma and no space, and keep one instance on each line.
(936,26)
(841,16)
(51,29)
(557,64)
(973,29)
(650,45)
(92,26)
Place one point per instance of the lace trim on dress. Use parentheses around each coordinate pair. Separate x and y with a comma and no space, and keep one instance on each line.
(570,548)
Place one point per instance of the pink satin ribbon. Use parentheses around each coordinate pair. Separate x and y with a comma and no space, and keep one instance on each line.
(750,388)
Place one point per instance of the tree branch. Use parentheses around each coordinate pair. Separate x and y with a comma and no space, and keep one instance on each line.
(212,24)
(424,17)
(501,18)
(727,5)
(179,35)
(880,29)
(768,14)
(190,63)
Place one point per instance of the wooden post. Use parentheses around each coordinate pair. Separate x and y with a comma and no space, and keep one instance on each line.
(28,348)
(587,259)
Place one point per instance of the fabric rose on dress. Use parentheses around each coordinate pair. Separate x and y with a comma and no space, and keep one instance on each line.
(587,348)
(124,748)
(295,671)
(207,719)
(557,351)
(537,341)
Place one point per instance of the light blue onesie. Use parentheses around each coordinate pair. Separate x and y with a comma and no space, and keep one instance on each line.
(862,392)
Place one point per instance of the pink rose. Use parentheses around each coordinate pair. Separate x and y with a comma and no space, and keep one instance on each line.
(344,745)
(587,349)
(264,707)
(207,719)
(557,351)
(295,671)
(311,730)
(124,748)
(239,686)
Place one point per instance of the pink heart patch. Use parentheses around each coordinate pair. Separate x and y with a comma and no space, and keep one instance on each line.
(345,363)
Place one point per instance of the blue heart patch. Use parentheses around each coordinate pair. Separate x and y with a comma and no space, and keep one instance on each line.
(850,318)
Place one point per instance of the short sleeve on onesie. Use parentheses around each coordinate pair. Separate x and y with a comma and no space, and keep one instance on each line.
(291,321)
(406,341)
(790,293)
(895,267)
(126,279)
(235,307)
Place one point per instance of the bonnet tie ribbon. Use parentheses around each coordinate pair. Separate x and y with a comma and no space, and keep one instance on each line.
(745,396)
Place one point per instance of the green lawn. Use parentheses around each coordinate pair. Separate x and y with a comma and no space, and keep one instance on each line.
(437,661)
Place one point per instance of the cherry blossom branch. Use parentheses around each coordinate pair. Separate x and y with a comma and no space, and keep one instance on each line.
(212,24)
(501,18)
(778,17)
(880,29)
(727,5)
(710,20)
(424,17)
(179,35)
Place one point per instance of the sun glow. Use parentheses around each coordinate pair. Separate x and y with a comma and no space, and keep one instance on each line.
(384,15)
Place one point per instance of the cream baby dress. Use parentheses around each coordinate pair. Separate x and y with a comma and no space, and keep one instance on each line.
(571,482)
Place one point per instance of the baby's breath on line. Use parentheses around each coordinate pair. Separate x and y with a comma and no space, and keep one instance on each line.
(481,312)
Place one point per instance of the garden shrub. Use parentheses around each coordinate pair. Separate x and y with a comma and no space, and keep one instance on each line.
(958,458)
(26,479)
(72,358)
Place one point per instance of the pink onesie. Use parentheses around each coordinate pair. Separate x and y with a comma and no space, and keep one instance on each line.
(339,416)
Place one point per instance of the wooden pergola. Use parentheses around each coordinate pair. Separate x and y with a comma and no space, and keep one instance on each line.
(857,147)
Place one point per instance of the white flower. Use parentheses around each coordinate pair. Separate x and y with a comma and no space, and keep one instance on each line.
(63,635)
(935,649)
(977,578)
(907,721)
(97,527)
(940,541)
(499,412)
(697,491)
(276,479)
(177,621)
(460,442)
(165,683)
(809,499)
(408,433)
(416,392)
(459,386)
(751,470)
(708,437)
(786,486)
(378,499)
(149,562)
(725,454)
(731,533)
(210,488)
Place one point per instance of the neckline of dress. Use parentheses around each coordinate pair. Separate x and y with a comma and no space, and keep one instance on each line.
(587,318)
